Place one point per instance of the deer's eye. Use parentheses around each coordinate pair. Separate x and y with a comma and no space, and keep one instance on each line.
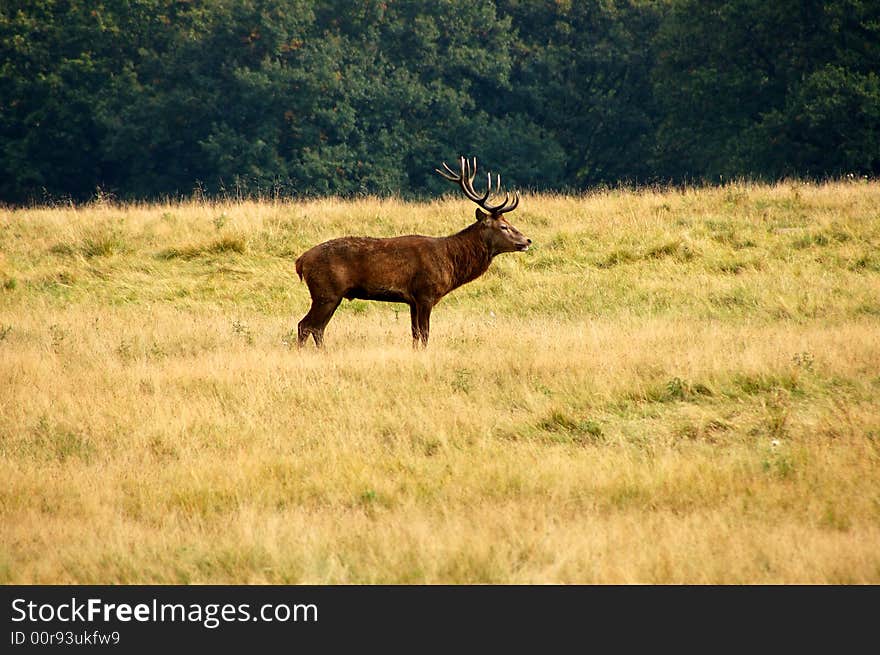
(503,227)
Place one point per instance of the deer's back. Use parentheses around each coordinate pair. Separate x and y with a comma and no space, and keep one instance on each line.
(373,268)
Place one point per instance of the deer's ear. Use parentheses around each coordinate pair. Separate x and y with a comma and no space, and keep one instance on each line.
(481,216)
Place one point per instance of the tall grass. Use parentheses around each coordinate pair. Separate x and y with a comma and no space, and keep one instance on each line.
(672,386)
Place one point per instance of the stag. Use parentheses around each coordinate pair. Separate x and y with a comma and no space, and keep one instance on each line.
(414,269)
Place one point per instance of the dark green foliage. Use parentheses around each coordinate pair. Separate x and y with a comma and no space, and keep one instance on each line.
(768,89)
(152,98)
(582,73)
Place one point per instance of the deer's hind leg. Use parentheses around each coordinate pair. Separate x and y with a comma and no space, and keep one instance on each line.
(316,320)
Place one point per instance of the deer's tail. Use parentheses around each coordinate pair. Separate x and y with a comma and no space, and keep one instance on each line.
(299,268)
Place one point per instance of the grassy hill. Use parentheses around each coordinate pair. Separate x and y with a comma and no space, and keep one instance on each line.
(672,386)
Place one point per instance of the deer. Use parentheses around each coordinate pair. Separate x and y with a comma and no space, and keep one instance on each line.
(416,270)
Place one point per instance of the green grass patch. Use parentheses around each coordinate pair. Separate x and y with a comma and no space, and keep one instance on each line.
(224,245)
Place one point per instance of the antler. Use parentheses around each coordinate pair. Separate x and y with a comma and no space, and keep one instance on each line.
(465,179)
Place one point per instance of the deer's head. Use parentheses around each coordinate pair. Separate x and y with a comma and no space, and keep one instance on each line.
(497,232)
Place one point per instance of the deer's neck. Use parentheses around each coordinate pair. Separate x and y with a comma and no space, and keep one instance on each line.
(469,254)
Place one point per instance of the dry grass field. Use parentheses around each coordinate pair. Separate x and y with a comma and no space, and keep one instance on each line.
(672,386)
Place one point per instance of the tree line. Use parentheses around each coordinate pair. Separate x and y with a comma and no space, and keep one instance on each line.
(154,98)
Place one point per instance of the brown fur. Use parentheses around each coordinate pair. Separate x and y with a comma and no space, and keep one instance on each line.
(416,270)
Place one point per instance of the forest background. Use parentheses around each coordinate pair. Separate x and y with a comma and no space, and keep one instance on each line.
(152,99)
